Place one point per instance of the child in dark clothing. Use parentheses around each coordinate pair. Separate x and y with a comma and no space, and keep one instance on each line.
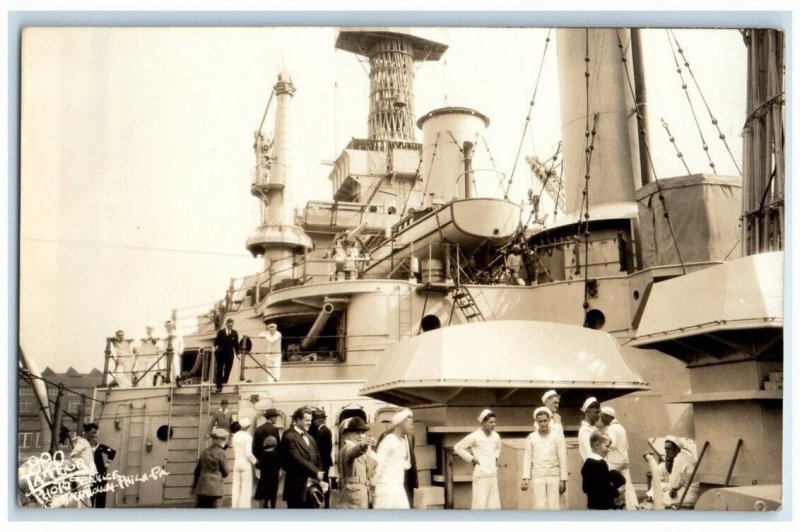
(269,466)
(600,485)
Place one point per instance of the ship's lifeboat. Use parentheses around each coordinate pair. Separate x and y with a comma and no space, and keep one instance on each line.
(469,223)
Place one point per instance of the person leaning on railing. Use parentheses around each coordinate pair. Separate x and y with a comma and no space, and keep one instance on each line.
(122,352)
(173,345)
(146,360)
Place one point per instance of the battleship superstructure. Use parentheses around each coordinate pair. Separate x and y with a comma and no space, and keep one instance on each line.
(411,289)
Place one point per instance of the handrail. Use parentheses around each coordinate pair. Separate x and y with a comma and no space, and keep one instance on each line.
(136,376)
(243,357)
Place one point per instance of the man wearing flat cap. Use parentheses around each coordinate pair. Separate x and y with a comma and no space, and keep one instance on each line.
(210,471)
(544,463)
(482,449)
(356,464)
(324,438)
(396,473)
(617,457)
(591,414)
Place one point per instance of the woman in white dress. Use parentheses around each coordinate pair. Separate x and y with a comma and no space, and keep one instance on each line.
(144,364)
(243,462)
(394,458)
(273,352)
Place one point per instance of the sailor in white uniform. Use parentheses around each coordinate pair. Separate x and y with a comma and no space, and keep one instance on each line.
(482,449)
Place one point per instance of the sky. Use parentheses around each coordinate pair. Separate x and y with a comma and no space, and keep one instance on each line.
(137,152)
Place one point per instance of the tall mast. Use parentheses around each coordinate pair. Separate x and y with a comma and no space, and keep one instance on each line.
(763,207)
(391,76)
(641,103)
(278,238)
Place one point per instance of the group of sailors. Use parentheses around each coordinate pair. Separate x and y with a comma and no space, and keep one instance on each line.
(147,364)
(347,253)
(133,365)
(604,451)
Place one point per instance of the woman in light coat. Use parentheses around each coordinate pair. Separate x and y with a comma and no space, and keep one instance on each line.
(243,462)
(356,464)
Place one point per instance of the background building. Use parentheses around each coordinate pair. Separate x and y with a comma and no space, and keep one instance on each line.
(30,439)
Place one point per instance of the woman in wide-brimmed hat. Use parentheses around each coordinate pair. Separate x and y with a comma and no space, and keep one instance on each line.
(356,464)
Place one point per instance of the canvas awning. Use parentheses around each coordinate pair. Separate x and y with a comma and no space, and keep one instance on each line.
(731,307)
(502,363)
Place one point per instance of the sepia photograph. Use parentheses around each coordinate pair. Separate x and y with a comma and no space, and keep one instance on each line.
(409,268)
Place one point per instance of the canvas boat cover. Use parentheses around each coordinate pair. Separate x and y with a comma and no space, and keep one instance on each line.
(704,211)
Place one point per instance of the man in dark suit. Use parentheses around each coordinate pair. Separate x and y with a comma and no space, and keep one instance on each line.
(267,453)
(268,428)
(101,454)
(599,484)
(300,460)
(411,480)
(226,346)
(324,438)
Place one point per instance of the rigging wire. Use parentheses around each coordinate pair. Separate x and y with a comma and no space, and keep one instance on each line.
(266,110)
(500,176)
(685,88)
(528,117)
(714,121)
(643,134)
(428,180)
(589,150)
(560,184)
(678,152)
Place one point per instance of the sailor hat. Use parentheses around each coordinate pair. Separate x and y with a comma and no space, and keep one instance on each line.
(549,394)
(607,410)
(484,414)
(542,410)
(589,402)
(401,416)
(677,441)
(244,423)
